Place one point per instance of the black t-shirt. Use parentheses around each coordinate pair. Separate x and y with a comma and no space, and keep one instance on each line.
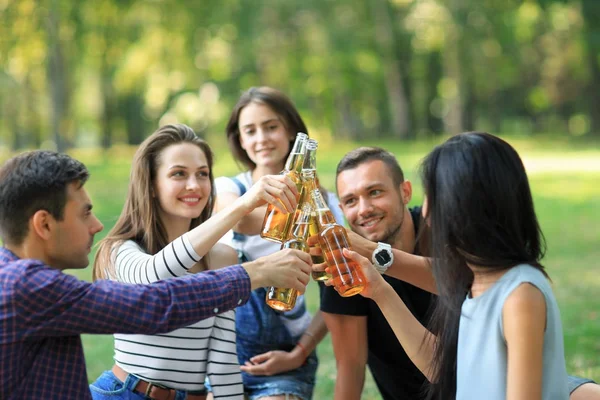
(395,375)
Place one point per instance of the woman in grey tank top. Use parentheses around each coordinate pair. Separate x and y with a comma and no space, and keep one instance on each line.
(495,332)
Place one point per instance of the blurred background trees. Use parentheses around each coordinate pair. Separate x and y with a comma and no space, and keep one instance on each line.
(97,73)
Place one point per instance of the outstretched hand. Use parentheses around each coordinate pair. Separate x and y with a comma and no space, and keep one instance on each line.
(287,268)
(278,190)
(375,282)
(272,362)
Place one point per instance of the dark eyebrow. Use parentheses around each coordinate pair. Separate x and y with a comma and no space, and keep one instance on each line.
(262,123)
(183,167)
(374,185)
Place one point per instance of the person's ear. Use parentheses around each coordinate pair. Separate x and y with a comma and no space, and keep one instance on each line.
(406,190)
(42,224)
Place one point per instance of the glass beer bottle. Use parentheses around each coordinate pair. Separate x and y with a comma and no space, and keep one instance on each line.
(309,177)
(346,274)
(284,299)
(276,224)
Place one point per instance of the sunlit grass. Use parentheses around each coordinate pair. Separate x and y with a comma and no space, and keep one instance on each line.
(564,178)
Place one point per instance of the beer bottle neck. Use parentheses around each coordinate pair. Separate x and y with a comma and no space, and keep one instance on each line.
(295,160)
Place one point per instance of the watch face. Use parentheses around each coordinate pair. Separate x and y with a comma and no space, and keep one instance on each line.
(382,257)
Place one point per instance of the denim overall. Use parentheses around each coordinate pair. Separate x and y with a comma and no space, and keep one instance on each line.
(259,329)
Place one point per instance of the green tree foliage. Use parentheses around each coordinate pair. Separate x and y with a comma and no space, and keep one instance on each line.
(96,73)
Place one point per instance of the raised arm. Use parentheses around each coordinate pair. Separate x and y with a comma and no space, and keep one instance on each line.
(407,267)
(251,223)
(134,265)
(68,306)
(416,340)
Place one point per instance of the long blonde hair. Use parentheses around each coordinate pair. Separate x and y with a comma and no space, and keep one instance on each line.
(139,220)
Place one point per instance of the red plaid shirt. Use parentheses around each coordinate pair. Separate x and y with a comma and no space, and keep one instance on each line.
(43,311)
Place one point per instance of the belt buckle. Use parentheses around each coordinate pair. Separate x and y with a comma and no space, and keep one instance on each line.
(151,385)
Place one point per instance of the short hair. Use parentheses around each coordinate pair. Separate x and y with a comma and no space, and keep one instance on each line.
(33,181)
(362,155)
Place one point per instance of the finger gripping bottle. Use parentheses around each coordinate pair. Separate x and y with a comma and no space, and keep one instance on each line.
(346,274)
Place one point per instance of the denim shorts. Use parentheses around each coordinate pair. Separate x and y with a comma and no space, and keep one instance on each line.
(108,387)
(259,330)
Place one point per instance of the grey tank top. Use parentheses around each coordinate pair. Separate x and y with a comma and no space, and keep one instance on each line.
(482,351)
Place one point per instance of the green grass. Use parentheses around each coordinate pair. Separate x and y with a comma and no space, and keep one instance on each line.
(564,177)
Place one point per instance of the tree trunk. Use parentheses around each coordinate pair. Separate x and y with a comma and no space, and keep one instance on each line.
(591,15)
(435,73)
(396,92)
(57,78)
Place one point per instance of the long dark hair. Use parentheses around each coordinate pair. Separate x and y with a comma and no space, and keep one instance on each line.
(480,212)
(139,220)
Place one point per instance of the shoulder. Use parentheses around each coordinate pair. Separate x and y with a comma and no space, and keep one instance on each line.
(524,314)
(222,255)
(524,298)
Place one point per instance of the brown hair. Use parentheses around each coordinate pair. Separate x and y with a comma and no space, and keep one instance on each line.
(279,103)
(139,220)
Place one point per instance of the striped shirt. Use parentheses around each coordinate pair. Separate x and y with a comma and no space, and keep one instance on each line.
(180,359)
(43,311)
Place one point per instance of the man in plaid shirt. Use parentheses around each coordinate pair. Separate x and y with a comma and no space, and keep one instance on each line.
(47,225)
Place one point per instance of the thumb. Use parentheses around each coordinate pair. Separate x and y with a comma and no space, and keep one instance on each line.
(352,254)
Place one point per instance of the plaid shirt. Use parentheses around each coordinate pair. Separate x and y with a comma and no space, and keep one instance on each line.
(43,311)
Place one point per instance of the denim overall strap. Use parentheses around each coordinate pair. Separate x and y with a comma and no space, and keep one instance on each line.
(238,237)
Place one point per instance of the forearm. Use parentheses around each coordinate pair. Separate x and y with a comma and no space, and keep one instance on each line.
(350,381)
(313,335)
(407,267)
(204,236)
(413,269)
(416,340)
(251,224)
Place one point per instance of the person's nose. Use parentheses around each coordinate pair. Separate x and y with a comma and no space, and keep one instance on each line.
(192,183)
(365,207)
(97,226)
(261,135)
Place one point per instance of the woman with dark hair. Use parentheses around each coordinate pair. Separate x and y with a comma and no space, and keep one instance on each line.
(165,230)
(276,350)
(495,332)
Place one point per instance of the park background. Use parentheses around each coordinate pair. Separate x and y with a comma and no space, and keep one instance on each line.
(94,78)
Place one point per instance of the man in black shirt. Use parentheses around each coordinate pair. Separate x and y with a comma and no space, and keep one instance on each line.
(374,196)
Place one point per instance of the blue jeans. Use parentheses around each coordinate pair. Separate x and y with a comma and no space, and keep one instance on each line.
(108,387)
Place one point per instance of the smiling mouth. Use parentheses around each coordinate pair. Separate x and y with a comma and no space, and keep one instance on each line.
(191,200)
(370,223)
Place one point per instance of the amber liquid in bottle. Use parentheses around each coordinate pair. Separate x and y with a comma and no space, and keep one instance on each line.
(317,259)
(276,224)
(284,299)
(346,274)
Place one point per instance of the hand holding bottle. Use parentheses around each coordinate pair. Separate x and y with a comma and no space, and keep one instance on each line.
(278,190)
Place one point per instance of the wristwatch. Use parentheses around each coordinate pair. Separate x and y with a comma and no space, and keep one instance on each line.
(382,257)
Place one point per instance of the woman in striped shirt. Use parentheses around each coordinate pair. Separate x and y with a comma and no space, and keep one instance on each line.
(165,230)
